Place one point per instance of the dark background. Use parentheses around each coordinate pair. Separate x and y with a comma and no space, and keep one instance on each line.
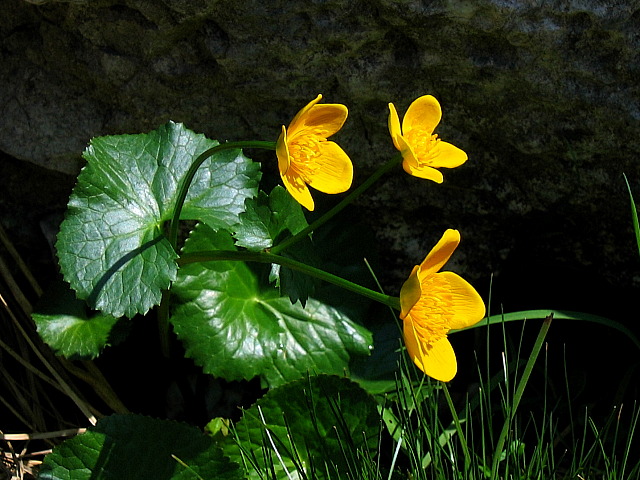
(544,99)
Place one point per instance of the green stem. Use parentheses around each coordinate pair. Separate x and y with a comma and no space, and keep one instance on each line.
(188,178)
(338,208)
(263,257)
(163,310)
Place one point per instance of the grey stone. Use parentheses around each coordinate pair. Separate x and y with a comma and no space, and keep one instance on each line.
(543,95)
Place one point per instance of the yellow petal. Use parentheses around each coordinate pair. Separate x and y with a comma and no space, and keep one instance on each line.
(447,156)
(440,254)
(466,306)
(318,120)
(437,360)
(298,190)
(423,115)
(335,170)
(440,361)
(292,182)
(303,113)
(409,158)
(411,166)
(282,152)
(415,348)
(394,127)
(322,120)
(410,293)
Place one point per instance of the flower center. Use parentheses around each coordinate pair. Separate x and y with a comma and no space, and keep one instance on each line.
(304,155)
(432,314)
(425,147)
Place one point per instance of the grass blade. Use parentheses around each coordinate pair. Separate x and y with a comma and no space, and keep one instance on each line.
(634,213)
(557,315)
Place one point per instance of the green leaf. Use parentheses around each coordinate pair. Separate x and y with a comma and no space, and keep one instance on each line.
(379,372)
(69,327)
(268,220)
(346,247)
(253,231)
(292,283)
(218,428)
(325,422)
(111,245)
(235,328)
(133,446)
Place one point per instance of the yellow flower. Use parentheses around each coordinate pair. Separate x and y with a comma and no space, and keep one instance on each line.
(305,157)
(432,303)
(422,151)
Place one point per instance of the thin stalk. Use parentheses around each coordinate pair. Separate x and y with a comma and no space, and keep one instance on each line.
(191,173)
(71,393)
(340,206)
(458,425)
(517,396)
(163,311)
(263,257)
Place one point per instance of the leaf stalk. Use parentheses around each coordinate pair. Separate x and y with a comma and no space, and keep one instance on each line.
(395,160)
(191,173)
(265,257)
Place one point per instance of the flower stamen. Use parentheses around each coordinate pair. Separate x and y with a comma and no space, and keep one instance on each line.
(422,151)
(437,306)
(306,157)
(432,304)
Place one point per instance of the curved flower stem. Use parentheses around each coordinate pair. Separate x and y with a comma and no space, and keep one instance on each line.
(263,257)
(396,159)
(163,310)
(188,178)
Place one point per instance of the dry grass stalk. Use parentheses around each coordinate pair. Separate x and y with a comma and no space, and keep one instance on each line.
(33,382)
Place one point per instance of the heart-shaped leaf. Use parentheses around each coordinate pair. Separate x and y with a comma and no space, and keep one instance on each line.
(111,245)
(133,446)
(237,328)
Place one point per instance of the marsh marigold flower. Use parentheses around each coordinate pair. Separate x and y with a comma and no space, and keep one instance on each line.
(434,302)
(305,157)
(422,151)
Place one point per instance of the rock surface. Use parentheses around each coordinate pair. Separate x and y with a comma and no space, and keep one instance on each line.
(543,96)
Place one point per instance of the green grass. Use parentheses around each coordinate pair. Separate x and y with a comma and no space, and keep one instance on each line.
(500,427)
